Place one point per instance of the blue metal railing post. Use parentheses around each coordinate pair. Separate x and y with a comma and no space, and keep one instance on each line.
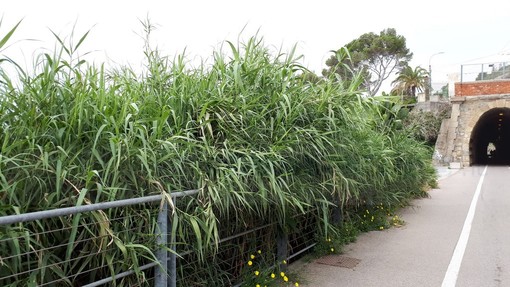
(161,272)
(172,265)
(282,240)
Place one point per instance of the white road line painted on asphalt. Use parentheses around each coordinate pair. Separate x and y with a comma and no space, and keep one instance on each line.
(450,278)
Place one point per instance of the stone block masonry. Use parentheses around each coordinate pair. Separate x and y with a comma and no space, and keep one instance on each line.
(453,143)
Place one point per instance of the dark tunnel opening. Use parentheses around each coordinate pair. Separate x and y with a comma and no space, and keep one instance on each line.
(490,138)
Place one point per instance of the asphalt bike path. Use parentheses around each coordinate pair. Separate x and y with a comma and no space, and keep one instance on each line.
(459,236)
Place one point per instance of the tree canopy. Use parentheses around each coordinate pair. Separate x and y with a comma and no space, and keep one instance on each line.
(375,56)
(409,81)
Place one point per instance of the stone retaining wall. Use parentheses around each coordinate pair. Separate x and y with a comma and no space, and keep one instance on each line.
(453,143)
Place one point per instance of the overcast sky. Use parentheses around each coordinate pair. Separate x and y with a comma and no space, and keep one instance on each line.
(464,30)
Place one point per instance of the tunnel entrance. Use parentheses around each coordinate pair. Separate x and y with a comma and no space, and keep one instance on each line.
(490,138)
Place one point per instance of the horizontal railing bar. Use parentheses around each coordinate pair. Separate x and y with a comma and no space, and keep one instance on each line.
(120,275)
(244,233)
(69,228)
(301,251)
(52,264)
(31,216)
(288,258)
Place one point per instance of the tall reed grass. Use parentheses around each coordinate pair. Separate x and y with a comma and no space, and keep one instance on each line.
(258,139)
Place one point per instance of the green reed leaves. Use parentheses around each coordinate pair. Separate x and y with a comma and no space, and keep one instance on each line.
(259,140)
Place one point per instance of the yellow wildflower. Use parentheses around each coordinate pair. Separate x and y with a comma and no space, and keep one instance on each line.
(252,256)
(250,263)
(272,275)
(332,249)
(282,274)
(257,273)
(285,278)
(284,261)
(296,284)
(259,251)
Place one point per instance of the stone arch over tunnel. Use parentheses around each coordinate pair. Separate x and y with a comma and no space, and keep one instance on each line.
(490,138)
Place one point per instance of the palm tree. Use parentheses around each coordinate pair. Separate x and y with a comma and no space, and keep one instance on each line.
(409,81)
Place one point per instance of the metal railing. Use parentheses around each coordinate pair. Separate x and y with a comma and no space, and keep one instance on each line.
(174,264)
(485,71)
(28,235)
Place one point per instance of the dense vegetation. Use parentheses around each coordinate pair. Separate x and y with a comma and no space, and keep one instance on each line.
(425,125)
(375,56)
(257,139)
